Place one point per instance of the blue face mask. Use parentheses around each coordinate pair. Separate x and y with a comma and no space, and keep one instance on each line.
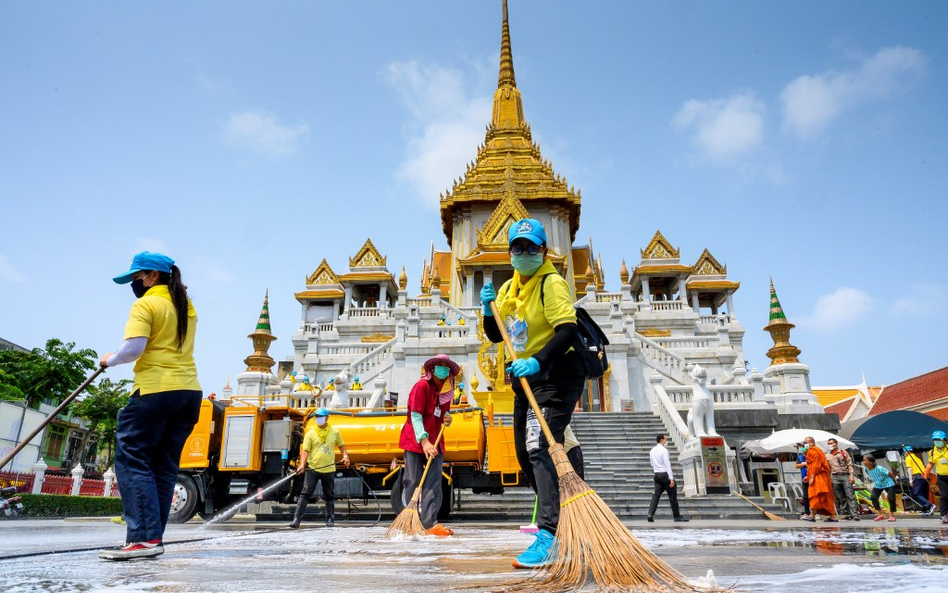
(526,264)
(441,372)
(939,444)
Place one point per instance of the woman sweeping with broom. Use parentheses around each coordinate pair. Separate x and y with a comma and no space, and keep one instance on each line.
(429,409)
(536,308)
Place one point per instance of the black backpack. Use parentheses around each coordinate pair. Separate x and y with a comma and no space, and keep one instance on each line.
(591,343)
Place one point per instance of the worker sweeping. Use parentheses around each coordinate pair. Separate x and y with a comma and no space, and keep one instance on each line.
(429,407)
(536,308)
(165,401)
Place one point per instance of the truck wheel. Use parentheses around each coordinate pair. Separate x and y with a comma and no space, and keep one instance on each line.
(398,496)
(444,513)
(185,500)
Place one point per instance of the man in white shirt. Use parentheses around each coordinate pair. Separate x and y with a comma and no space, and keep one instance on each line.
(664,480)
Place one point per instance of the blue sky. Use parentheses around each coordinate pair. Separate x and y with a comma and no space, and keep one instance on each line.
(804,141)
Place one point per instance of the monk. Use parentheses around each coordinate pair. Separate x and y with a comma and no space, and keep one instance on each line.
(820,485)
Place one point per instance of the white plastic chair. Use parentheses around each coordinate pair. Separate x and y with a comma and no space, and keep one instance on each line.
(778,492)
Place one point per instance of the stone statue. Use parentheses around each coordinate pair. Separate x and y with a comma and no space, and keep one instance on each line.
(340,396)
(701,415)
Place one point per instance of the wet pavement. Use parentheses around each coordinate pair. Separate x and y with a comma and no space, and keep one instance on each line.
(60,556)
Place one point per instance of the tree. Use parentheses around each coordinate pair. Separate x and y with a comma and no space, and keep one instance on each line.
(50,374)
(100,407)
(9,392)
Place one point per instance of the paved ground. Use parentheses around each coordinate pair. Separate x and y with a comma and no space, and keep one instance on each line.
(906,556)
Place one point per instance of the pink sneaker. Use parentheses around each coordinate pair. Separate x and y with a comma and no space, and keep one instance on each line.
(879,518)
(891,519)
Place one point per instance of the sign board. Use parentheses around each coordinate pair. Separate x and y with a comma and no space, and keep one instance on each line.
(714,460)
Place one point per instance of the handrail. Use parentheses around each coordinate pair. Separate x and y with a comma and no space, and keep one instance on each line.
(671,419)
(664,361)
(468,318)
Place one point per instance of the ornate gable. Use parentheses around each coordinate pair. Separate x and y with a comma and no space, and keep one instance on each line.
(660,248)
(493,237)
(367,257)
(708,266)
(323,275)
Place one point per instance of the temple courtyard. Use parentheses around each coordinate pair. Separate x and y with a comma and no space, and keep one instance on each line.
(766,556)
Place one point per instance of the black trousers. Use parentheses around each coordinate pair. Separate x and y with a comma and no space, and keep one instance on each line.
(328,482)
(557,393)
(663,484)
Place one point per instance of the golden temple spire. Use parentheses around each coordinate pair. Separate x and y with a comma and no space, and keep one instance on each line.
(260,361)
(506,77)
(779,328)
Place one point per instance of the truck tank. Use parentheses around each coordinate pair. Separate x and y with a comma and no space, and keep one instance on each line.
(371,437)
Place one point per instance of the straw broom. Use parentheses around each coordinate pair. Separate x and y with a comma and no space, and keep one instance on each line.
(766,513)
(591,540)
(408,522)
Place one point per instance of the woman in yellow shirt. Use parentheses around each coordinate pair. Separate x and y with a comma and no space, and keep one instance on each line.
(164,404)
(536,308)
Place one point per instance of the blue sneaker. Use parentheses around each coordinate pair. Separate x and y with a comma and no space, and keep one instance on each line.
(540,553)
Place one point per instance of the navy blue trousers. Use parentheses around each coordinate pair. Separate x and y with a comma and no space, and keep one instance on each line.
(151,432)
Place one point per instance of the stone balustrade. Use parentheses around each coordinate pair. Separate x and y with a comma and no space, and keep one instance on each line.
(346,349)
(667,306)
(686,342)
(608,297)
(444,331)
(420,302)
(724,396)
(370,312)
(664,361)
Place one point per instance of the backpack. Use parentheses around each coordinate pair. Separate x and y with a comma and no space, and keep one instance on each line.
(591,341)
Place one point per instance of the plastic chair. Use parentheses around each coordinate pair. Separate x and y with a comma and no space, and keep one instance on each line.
(797,490)
(778,492)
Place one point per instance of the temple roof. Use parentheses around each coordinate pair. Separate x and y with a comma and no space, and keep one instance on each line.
(912,393)
(508,162)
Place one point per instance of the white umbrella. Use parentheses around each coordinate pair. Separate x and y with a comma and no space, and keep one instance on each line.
(786,440)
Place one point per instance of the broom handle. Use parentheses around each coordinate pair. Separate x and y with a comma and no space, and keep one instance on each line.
(417,493)
(62,406)
(523,380)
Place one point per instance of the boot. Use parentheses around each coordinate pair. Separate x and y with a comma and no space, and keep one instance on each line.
(298,515)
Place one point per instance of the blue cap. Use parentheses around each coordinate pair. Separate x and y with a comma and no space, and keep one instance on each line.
(907,447)
(938,435)
(321,412)
(528,228)
(146,260)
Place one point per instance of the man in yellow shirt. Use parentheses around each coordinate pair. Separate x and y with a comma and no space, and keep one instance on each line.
(938,460)
(917,478)
(318,460)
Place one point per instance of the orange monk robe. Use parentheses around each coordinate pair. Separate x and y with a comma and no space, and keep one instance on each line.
(821,486)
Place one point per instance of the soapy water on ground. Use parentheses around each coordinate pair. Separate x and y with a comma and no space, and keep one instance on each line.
(360,559)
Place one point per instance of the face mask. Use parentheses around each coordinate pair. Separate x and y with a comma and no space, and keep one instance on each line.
(441,372)
(806,446)
(801,449)
(139,288)
(321,420)
(526,264)
(939,444)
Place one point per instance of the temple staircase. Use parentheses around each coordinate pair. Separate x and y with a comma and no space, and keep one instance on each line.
(616,451)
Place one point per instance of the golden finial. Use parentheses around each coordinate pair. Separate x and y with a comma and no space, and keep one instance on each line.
(506,55)
(435,278)
(779,328)
(474,383)
(624,273)
(402,279)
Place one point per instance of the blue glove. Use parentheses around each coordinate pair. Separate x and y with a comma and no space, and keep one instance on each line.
(523,367)
(488,295)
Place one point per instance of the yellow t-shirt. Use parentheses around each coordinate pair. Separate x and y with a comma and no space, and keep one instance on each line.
(162,367)
(529,321)
(939,460)
(321,445)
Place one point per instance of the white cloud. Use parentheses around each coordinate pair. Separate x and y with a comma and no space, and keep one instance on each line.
(723,128)
(844,307)
(261,132)
(446,126)
(9,272)
(809,103)
(924,300)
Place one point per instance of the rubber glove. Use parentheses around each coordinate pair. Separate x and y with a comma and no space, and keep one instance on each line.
(488,295)
(523,367)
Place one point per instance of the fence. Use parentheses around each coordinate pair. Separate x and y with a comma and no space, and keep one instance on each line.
(59,484)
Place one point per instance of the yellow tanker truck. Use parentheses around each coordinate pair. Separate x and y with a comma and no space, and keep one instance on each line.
(238,448)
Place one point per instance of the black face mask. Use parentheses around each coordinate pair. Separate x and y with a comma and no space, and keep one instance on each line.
(139,288)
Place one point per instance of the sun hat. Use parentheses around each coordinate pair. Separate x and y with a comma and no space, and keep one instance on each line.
(527,228)
(146,260)
(441,360)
